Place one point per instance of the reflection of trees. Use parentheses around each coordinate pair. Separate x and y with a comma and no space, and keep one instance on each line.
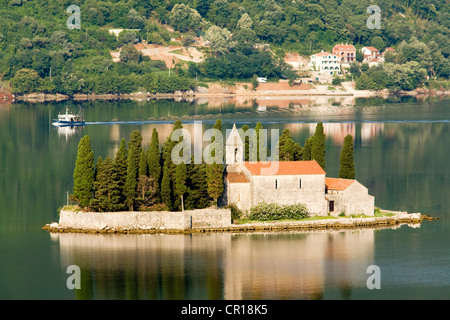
(217,266)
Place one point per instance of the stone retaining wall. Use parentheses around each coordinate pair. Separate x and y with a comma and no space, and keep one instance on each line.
(144,220)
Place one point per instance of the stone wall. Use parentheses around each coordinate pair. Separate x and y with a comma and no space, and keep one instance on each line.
(355,200)
(204,218)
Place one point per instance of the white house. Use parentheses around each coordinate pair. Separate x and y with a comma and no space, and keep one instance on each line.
(325,63)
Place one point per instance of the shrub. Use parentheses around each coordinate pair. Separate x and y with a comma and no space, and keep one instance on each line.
(155,207)
(273,211)
(235,212)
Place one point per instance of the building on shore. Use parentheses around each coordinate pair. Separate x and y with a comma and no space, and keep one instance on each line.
(290,182)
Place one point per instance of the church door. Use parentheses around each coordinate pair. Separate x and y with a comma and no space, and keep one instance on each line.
(331,205)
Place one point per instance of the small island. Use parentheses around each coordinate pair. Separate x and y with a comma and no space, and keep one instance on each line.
(150,191)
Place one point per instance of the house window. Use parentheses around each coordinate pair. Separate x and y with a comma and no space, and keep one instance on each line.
(300,183)
(276,183)
(331,206)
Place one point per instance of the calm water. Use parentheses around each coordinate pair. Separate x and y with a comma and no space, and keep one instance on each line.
(401,154)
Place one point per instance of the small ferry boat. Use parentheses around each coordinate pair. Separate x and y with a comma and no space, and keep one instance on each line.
(68,119)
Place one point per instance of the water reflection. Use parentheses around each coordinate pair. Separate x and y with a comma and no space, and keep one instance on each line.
(291,265)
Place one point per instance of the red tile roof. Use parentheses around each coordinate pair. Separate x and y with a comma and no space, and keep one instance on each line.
(338,184)
(344,47)
(237,177)
(323,54)
(373,49)
(284,168)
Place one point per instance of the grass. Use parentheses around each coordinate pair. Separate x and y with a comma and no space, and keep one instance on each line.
(378,213)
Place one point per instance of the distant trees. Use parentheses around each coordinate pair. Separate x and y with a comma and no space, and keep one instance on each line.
(318,145)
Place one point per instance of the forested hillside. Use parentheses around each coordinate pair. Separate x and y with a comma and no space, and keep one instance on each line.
(38,52)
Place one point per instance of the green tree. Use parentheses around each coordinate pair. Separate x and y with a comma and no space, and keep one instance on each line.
(26,81)
(347,165)
(244,128)
(83,175)
(133,159)
(154,162)
(183,18)
(220,40)
(129,53)
(215,170)
(307,149)
(166,186)
(107,195)
(120,163)
(318,145)
(179,185)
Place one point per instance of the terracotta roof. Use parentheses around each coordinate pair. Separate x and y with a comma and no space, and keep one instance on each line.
(390,49)
(323,54)
(338,184)
(237,177)
(284,168)
(372,49)
(344,47)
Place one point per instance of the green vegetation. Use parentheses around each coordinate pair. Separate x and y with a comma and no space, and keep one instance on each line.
(140,179)
(246,37)
(318,145)
(273,211)
(347,165)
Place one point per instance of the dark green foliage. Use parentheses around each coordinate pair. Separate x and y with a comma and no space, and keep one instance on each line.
(107,194)
(318,146)
(120,162)
(215,170)
(179,185)
(197,192)
(347,165)
(154,161)
(307,149)
(133,159)
(288,149)
(274,211)
(83,175)
(246,143)
(166,186)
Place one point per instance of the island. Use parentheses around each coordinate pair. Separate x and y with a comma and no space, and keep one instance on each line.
(149,191)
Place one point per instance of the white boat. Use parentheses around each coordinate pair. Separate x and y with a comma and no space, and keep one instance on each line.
(68,119)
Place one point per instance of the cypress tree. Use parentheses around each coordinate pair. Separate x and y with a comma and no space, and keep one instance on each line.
(245,127)
(347,165)
(215,170)
(285,135)
(257,154)
(133,159)
(179,185)
(307,149)
(107,195)
(98,186)
(318,146)
(166,186)
(120,165)
(169,169)
(154,163)
(83,174)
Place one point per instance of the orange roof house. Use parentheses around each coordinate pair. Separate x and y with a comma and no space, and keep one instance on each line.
(345,52)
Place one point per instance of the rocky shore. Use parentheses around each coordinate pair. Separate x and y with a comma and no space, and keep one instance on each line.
(397,219)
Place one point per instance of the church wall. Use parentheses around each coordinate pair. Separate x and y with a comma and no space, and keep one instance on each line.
(288,191)
(354,200)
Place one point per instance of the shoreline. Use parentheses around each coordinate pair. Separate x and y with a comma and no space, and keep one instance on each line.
(396,219)
(226,92)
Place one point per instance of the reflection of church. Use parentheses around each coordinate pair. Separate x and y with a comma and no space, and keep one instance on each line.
(290,182)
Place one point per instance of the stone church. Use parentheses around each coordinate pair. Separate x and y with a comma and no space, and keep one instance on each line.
(289,182)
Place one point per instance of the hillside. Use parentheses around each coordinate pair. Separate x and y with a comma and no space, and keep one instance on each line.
(47,55)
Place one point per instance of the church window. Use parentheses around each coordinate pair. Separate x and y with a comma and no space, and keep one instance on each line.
(276,183)
(300,183)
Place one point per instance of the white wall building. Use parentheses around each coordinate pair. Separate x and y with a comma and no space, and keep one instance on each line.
(325,63)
